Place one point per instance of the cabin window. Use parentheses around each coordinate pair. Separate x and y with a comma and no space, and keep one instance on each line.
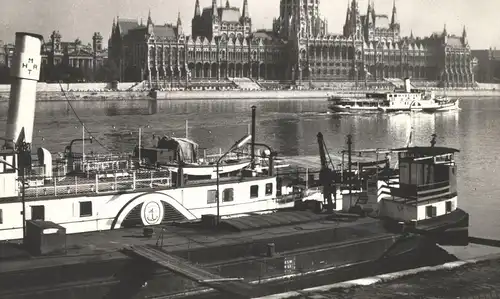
(430,211)
(269,188)
(7,167)
(448,206)
(37,212)
(1,216)
(211,196)
(227,195)
(254,191)
(85,208)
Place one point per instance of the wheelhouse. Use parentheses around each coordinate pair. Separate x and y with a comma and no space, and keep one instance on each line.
(427,185)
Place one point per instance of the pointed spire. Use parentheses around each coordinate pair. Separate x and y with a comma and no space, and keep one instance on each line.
(214,7)
(227,4)
(369,18)
(197,10)
(445,33)
(464,37)
(411,35)
(394,19)
(348,14)
(180,30)
(179,21)
(150,21)
(113,27)
(373,11)
(355,6)
(246,12)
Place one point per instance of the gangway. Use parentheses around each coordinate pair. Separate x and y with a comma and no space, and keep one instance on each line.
(182,267)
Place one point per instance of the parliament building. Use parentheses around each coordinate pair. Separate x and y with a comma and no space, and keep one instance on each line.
(298,48)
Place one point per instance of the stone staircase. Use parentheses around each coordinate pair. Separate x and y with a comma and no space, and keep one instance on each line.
(246,83)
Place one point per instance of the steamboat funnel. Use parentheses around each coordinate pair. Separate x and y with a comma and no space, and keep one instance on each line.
(25,73)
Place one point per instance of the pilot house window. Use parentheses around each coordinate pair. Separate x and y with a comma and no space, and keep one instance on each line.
(228,195)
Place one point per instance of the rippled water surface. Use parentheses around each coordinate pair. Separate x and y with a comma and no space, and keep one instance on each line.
(290,127)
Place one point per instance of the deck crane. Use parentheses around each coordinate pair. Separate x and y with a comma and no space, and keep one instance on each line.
(327,175)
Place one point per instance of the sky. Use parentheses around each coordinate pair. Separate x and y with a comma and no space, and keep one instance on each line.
(81,18)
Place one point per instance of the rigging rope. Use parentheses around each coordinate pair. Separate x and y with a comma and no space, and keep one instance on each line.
(81,122)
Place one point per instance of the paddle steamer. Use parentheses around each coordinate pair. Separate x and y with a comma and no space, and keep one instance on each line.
(403,100)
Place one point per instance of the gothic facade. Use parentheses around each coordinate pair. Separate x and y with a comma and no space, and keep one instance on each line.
(298,48)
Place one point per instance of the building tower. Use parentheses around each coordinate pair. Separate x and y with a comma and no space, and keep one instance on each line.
(369,23)
(465,41)
(55,42)
(353,27)
(149,24)
(97,42)
(96,49)
(195,23)
(180,29)
(246,21)
(395,27)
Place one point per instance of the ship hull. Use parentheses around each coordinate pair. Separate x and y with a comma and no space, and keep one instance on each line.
(374,105)
(334,254)
(115,210)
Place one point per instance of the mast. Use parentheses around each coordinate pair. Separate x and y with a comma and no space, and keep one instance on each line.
(140,140)
(349,162)
(83,144)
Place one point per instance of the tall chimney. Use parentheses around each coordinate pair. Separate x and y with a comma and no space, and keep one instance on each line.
(407,85)
(25,73)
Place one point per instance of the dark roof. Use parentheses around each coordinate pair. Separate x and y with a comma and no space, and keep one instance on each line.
(427,150)
(127,24)
(166,31)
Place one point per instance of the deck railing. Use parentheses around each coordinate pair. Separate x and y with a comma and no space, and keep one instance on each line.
(413,194)
(97,183)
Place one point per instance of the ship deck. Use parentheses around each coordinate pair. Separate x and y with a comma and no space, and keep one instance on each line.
(107,245)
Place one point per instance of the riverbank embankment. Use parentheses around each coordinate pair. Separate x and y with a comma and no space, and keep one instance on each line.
(300,94)
(136,91)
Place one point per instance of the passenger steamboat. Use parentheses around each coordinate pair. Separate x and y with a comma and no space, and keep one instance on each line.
(88,192)
(403,100)
(144,236)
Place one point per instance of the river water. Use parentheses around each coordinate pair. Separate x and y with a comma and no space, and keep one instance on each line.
(290,127)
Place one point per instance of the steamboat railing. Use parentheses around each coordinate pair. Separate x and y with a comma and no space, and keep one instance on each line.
(96,183)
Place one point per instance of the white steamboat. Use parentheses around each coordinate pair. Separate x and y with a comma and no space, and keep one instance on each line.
(87,193)
(408,99)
